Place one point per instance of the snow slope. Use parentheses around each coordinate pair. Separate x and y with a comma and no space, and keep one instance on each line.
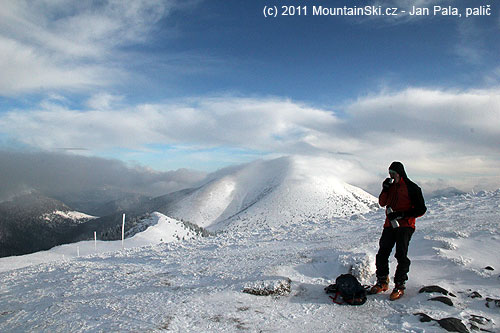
(196,285)
(158,229)
(272,192)
(77,217)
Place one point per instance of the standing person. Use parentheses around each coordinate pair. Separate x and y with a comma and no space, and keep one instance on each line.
(404,202)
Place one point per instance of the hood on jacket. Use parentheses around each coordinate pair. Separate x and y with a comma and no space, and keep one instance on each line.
(399,168)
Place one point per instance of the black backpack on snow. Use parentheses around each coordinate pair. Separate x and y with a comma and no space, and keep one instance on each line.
(349,288)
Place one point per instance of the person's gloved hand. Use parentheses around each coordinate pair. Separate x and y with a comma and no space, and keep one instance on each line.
(395,215)
(387,183)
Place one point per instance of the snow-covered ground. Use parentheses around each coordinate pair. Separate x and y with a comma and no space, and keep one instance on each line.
(196,285)
(160,229)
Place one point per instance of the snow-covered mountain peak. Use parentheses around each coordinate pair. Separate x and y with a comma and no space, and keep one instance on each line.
(283,190)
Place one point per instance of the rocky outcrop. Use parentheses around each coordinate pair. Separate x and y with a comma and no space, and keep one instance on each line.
(475,322)
(450,324)
(442,299)
(435,289)
(269,287)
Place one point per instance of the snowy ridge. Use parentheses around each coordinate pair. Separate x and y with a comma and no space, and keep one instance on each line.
(264,193)
(158,228)
(197,285)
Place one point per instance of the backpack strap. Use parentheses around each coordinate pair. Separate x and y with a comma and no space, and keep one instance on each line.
(331,289)
(334,299)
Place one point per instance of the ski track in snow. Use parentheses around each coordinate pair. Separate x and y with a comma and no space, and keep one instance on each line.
(196,285)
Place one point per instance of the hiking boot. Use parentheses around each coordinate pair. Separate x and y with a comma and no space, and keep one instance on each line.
(397,292)
(381,285)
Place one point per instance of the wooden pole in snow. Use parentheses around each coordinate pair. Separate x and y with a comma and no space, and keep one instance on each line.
(95,241)
(123,230)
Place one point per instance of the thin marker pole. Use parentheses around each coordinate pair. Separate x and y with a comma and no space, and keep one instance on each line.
(95,241)
(123,230)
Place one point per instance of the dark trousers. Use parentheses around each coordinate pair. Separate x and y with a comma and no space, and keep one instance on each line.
(401,237)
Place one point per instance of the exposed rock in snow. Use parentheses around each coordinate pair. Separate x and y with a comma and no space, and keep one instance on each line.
(475,294)
(453,325)
(442,299)
(269,287)
(480,320)
(491,302)
(424,318)
(450,324)
(433,289)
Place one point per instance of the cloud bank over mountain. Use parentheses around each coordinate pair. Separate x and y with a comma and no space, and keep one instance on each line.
(58,174)
(447,135)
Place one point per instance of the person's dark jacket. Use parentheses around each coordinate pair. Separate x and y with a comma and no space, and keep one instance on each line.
(416,206)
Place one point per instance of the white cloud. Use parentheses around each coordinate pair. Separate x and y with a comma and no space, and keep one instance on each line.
(258,124)
(467,118)
(70,44)
(103,101)
(24,68)
(451,135)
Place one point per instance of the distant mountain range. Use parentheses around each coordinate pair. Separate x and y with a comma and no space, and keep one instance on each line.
(34,222)
(256,195)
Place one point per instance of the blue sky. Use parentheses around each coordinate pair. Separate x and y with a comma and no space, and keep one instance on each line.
(206,84)
(321,60)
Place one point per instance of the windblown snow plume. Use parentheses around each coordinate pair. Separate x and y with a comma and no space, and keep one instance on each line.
(280,191)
